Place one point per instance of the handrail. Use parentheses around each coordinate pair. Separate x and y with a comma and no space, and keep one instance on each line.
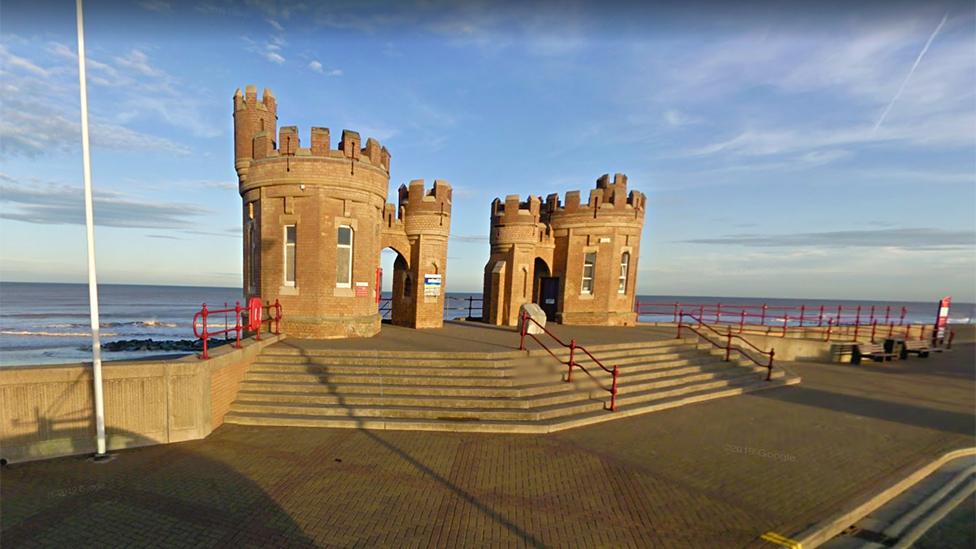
(823,319)
(386,305)
(238,327)
(572,346)
(729,336)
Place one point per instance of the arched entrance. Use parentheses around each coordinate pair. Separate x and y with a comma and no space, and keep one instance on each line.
(545,289)
(397,299)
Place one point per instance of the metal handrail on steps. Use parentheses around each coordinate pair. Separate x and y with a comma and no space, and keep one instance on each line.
(572,346)
(729,336)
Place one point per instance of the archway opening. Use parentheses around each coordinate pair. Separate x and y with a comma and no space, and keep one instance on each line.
(545,289)
(397,287)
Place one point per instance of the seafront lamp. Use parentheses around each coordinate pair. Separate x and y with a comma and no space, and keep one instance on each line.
(90,231)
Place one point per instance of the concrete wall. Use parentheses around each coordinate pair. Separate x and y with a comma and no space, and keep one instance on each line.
(47,411)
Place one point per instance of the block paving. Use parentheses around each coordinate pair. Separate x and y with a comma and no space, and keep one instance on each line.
(717,474)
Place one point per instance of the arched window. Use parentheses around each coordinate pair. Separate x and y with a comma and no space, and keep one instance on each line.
(344,257)
(624,268)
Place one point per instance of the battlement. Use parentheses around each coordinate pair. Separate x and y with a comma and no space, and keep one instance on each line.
(606,197)
(254,129)
(514,211)
(249,99)
(414,199)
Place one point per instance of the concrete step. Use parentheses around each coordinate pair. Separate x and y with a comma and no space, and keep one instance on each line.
(531,410)
(285,349)
(340,379)
(315,387)
(374,370)
(461,424)
(427,362)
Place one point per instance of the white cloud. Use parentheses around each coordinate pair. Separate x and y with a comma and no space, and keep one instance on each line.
(274,57)
(159,6)
(677,118)
(138,62)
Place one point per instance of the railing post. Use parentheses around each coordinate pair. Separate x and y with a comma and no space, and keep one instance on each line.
(237,326)
(701,314)
(871,317)
(679,317)
(839,314)
(277,317)
(901,319)
(921,332)
(613,391)
(676,317)
(857,328)
(226,335)
(718,313)
(572,352)
(908,331)
(891,329)
(762,319)
(820,318)
(887,313)
(206,335)
(728,342)
(803,309)
(857,319)
(830,327)
(952,335)
(874,329)
(786,321)
(470,301)
(522,332)
(742,320)
(769,372)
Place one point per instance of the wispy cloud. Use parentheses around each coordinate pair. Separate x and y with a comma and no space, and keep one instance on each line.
(159,6)
(898,238)
(49,203)
(316,66)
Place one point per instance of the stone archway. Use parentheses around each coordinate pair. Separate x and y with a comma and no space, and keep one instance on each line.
(398,307)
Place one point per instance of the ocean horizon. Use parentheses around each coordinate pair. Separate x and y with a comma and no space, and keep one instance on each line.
(48,323)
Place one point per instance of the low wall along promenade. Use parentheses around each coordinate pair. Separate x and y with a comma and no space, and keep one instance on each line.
(47,411)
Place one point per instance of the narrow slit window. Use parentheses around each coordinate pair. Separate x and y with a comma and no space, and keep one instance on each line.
(344,257)
(589,265)
(624,267)
(289,255)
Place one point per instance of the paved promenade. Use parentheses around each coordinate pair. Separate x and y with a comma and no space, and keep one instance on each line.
(717,474)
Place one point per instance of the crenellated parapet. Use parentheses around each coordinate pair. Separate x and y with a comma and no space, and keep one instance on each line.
(255,139)
(607,199)
(423,211)
(518,222)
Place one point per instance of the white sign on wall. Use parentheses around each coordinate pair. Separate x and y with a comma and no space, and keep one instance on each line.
(432,285)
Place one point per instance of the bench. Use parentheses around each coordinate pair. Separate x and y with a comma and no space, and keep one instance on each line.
(917,346)
(874,351)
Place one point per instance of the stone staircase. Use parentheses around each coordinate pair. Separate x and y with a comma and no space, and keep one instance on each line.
(482,392)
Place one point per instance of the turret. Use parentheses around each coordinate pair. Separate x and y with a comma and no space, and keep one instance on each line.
(425,211)
(252,117)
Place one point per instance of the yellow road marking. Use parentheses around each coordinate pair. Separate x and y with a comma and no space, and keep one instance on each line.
(781,540)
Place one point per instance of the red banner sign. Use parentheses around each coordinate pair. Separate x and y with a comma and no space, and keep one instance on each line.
(941,319)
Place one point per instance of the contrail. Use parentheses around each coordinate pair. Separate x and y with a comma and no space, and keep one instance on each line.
(918,60)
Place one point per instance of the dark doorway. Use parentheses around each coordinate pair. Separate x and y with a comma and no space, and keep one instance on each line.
(549,296)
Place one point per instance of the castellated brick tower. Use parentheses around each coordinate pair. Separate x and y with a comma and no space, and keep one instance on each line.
(578,261)
(315,222)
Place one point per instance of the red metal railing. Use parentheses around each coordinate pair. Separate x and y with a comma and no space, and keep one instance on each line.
(571,363)
(202,330)
(696,327)
(779,319)
(473,304)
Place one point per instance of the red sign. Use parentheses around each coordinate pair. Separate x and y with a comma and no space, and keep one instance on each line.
(941,319)
(362,291)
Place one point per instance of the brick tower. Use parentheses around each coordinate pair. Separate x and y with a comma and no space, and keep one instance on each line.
(316,219)
(577,261)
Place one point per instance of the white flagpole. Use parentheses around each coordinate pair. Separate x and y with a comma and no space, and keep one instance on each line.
(90,229)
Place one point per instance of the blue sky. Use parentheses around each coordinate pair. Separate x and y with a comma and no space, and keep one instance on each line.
(808,151)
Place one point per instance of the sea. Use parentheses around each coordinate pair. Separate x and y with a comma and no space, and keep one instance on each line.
(45,323)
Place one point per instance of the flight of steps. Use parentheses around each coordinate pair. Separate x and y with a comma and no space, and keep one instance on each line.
(483,392)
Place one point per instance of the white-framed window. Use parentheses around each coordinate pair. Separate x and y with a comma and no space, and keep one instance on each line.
(624,267)
(289,255)
(344,257)
(589,266)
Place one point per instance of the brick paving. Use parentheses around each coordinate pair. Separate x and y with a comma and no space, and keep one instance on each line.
(716,474)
